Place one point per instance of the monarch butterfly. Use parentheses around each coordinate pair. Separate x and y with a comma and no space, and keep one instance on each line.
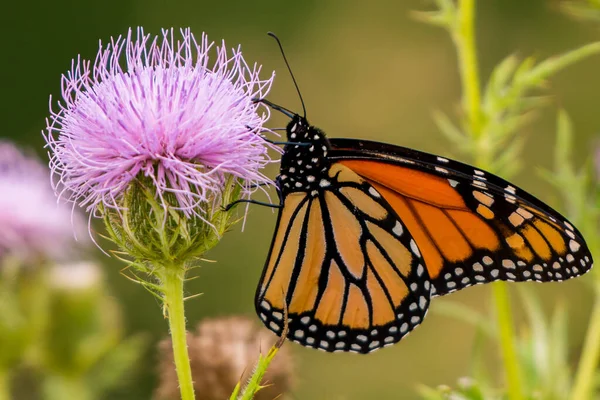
(368,233)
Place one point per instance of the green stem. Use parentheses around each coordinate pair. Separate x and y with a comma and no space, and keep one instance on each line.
(172,284)
(464,39)
(586,371)
(512,367)
(254,384)
(4,385)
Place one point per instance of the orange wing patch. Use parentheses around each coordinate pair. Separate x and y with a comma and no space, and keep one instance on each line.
(470,231)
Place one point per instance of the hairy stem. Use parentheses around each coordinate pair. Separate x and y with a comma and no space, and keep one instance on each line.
(464,39)
(586,371)
(172,285)
(254,384)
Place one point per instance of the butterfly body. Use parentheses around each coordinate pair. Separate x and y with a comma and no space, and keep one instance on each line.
(369,233)
(304,161)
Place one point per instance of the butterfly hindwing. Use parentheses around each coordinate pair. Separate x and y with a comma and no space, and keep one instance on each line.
(471,226)
(345,267)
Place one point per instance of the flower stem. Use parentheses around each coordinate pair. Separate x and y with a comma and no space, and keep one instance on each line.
(586,370)
(464,39)
(4,385)
(507,342)
(172,285)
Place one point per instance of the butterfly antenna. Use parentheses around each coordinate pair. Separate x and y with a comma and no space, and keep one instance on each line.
(289,69)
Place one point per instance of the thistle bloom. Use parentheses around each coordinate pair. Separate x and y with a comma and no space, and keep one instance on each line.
(32,225)
(156,140)
(155,108)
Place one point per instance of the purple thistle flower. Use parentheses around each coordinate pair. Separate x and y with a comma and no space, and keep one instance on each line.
(155,107)
(32,225)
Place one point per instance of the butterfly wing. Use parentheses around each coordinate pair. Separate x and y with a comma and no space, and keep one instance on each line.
(344,267)
(471,227)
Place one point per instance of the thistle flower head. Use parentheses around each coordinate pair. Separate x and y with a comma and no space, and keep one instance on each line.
(156,108)
(32,224)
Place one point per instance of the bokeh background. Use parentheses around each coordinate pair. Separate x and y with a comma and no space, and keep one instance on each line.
(366,69)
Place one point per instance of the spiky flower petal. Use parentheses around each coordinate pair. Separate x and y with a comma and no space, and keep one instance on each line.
(157,108)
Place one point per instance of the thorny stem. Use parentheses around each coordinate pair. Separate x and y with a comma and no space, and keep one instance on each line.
(586,371)
(464,39)
(172,285)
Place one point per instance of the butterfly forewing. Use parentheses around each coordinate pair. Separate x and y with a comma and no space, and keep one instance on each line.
(345,267)
(472,227)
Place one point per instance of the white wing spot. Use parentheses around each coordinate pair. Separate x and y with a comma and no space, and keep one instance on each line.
(324,183)
(508,264)
(495,273)
(442,159)
(397,229)
(277,315)
(487,260)
(569,226)
(310,178)
(574,246)
(374,192)
(414,248)
(274,326)
(299,333)
(453,183)
(442,170)
(477,267)
(305,320)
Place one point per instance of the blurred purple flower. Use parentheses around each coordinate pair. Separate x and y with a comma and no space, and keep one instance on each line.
(32,224)
(154,106)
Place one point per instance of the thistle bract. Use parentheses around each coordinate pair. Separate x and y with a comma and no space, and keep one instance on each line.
(155,137)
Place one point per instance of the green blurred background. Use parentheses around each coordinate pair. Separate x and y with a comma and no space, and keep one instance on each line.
(365,70)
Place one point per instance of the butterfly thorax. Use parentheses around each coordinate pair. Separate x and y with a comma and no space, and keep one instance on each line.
(304,162)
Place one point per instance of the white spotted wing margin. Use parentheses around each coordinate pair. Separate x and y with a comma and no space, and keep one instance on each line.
(349,273)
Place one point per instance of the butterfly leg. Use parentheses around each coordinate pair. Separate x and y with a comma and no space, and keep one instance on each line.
(259,203)
(275,107)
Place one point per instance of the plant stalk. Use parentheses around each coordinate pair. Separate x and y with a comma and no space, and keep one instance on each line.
(172,284)
(586,371)
(464,39)
(4,385)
